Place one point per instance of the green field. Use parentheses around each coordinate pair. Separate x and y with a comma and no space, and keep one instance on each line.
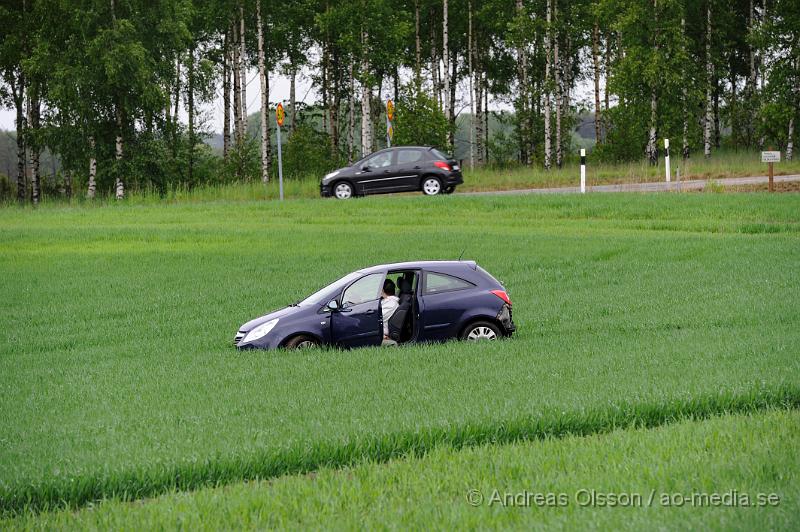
(606,480)
(119,379)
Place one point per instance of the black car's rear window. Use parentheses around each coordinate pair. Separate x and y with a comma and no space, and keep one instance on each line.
(439,155)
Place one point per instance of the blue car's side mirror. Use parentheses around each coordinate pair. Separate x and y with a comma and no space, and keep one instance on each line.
(332,305)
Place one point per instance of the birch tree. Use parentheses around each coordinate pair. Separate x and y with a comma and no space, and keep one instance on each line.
(263,78)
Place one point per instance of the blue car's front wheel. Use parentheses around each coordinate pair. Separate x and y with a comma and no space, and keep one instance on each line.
(301,342)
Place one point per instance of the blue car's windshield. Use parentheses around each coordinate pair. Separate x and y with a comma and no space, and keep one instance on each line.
(322,296)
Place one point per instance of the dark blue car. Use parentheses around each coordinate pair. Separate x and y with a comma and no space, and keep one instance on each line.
(438,300)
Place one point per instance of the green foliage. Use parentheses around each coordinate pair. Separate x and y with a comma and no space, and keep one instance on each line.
(308,152)
(419,121)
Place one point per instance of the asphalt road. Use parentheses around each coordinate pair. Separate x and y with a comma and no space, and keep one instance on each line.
(694,184)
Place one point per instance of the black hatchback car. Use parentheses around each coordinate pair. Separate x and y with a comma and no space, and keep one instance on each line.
(399,169)
(437,300)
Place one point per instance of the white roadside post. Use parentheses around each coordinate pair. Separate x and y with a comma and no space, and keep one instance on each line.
(280,114)
(666,158)
(583,171)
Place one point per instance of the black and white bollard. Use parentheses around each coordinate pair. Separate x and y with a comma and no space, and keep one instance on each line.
(666,158)
(583,171)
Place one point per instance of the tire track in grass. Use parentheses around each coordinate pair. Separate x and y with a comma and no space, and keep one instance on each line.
(219,470)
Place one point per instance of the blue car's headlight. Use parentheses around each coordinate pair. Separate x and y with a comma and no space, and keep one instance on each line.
(260,331)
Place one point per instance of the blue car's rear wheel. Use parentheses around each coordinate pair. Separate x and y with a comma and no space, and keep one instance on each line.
(481,330)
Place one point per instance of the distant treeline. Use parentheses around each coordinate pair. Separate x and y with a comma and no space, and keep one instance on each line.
(101,84)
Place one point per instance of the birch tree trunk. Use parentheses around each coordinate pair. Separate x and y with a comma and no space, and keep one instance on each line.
(685,151)
(607,72)
(548,43)
(177,90)
(478,107)
(596,63)
(437,95)
(652,137)
(709,75)
(523,92)
(90,192)
(790,139)
(486,120)
(451,115)
(750,89)
(366,97)
(33,145)
(351,117)
(446,60)
(470,52)
(262,76)
(226,96)
(293,97)
(243,71)
(558,80)
(237,89)
(418,48)
(21,125)
(190,104)
(119,185)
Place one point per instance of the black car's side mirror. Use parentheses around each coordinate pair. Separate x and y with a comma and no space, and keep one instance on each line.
(365,168)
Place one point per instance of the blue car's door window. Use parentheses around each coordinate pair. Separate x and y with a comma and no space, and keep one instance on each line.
(439,282)
(365,289)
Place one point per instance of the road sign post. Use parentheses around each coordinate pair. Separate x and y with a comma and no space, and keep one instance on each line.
(666,159)
(280,115)
(771,157)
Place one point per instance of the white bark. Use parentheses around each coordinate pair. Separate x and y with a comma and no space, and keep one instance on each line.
(709,119)
(293,97)
(262,74)
(226,96)
(790,140)
(548,51)
(33,148)
(366,98)
(446,60)
(523,95)
(119,184)
(418,47)
(470,51)
(685,99)
(652,149)
(237,90)
(596,64)
(243,72)
(558,78)
(90,193)
(351,117)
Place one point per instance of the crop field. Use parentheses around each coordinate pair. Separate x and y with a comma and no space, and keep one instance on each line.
(119,379)
(751,456)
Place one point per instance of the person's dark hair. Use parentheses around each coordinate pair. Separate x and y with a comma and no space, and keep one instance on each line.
(388,287)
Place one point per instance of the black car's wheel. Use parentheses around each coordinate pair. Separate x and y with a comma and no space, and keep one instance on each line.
(450,189)
(301,342)
(343,190)
(481,330)
(431,186)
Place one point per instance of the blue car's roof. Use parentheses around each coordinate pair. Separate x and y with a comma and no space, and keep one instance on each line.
(425,264)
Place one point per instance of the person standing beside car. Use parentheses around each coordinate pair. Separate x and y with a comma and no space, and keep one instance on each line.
(389,304)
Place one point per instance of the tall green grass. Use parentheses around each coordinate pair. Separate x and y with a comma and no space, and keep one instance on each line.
(118,376)
(741,455)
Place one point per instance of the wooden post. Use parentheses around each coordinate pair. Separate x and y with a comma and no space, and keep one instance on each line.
(771,176)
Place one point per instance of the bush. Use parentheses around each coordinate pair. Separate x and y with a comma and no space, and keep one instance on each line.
(307,153)
(419,120)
